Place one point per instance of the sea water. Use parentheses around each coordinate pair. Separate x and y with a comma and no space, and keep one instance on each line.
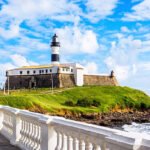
(143,129)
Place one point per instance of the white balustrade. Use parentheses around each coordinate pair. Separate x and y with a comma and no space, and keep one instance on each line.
(34,131)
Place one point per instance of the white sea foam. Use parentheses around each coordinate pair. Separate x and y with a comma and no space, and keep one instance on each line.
(143,129)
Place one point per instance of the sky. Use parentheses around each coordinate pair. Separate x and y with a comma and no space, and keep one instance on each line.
(102,35)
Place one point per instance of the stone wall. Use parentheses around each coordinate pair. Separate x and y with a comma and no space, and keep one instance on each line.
(30,81)
(66,80)
(100,80)
(40,81)
(59,80)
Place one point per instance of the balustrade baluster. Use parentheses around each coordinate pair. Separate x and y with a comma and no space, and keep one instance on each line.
(69,142)
(35,137)
(58,146)
(27,130)
(103,145)
(22,132)
(88,145)
(75,143)
(64,141)
(38,138)
(32,135)
(81,144)
(96,147)
(26,134)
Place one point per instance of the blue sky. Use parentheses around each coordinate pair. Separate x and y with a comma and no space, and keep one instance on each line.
(102,35)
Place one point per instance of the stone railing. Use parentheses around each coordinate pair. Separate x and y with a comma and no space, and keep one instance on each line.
(33,131)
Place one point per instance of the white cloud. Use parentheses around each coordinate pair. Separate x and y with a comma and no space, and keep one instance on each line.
(146,46)
(62,10)
(125,29)
(140,80)
(121,71)
(124,56)
(19,61)
(31,9)
(16,12)
(27,45)
(76,40)
(4,53)
(3,68)
(145,66)
(140,12)
(91,68)
(130,69)
(12,32)
(16,61)
(99,9)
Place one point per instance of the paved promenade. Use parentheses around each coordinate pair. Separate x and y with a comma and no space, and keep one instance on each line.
(5,145)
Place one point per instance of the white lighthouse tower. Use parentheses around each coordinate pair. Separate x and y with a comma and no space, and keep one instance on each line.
(55,46)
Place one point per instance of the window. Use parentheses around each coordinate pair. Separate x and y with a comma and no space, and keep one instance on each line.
(63,69)
(46,71)
(28,72)
(20,72)
(50,70)
(71,70)
(34,71)
(40,71)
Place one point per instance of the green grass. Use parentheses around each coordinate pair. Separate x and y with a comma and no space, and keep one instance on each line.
(109,97)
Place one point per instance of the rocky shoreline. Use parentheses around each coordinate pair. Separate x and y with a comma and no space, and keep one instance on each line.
(112,119)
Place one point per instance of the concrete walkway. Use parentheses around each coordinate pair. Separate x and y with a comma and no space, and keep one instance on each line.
(5,145)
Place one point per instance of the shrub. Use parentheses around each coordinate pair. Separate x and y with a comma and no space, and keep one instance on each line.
(69,103)
(96,103)
(143,106)
(84,102)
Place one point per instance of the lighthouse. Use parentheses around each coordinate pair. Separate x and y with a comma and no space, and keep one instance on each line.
(55,46)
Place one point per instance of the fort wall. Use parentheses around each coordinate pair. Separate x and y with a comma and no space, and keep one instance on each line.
(100,80)
(57,80)
(66,80)
(40,81)
(31,81)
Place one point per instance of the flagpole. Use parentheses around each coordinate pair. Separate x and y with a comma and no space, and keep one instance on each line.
(52,82)
(8,85)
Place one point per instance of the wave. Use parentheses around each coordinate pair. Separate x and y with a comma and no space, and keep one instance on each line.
(143,128)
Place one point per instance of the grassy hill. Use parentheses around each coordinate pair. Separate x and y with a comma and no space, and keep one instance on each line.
(78,99)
